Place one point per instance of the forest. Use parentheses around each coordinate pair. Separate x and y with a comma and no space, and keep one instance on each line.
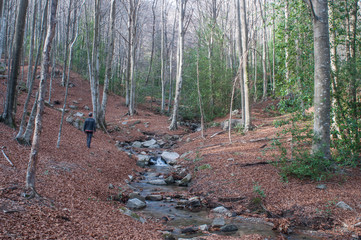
(241,115)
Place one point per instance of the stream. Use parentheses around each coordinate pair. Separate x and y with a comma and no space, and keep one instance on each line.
(187,218)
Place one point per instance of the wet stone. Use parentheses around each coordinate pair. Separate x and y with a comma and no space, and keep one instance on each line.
(135,204)
(170,157)
(189,230)
(136,195)
(154,197)
(218,222)
(137,144)
(149,143)
(222,210)
(186,180)
(203,227)
(169,180)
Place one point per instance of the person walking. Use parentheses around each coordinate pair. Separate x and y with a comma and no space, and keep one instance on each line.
(89,128)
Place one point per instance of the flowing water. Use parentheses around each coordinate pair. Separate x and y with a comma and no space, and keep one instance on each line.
(178,219)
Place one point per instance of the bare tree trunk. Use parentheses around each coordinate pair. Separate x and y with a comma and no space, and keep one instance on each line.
(162,61)
(334,68)
(53,66)
(71,47)
(240,59)
(66,52)
(3,26)
(247,108)
(287,13)
(20,134)
(133,16)
(200,96)
(32,40)
(88,45)
(30,126)
(322,103)
(31,171)
(274,54)
(95,60)
(108,67)
(153,41)
(8,116)
(181,33)
(264,49)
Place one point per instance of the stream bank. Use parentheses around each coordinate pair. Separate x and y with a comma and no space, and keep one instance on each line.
(161,193)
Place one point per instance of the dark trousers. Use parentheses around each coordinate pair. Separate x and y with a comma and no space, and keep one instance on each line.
(89,136)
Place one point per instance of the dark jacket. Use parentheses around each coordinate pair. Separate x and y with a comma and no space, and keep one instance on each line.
(89,125)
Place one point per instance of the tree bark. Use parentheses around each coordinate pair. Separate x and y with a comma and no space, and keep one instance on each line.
(179,80)
(133,19)
(94,83)
(31,171)
(108,67)
(66,52)
(8,116)
(322,103)
(247,109)
(20,134)
(32,40)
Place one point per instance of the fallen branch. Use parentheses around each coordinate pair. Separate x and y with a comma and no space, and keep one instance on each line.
(217,134)
(7,158)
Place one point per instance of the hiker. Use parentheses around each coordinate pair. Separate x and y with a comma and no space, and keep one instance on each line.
(89,128)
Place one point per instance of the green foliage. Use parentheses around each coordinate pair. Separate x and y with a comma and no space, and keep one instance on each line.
(203,167)
(258,190)
(295,157)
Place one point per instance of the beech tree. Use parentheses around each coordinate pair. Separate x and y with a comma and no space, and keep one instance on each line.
(322,103)
(8,114)
(108,66)
(31,171)
(181,32)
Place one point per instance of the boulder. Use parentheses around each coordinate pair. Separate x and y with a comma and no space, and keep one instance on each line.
(149,143)
(129,213)
(218,222)
(136,195)
(234,123)
(154,197)
(137,144)
(79,114)
(143,160)
(186,180)
(70,119)
(194,204)
(222,210)
(135,203)
(73,107)
(229,228)
(203,227)
(344,206)
(169,180)
(170,157)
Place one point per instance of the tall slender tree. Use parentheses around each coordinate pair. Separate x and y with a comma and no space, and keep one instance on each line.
(8,116)
(181,33)
(108,67)
(322,103)
(31,171)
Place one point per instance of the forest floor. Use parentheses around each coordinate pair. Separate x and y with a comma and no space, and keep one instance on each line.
(74,180)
